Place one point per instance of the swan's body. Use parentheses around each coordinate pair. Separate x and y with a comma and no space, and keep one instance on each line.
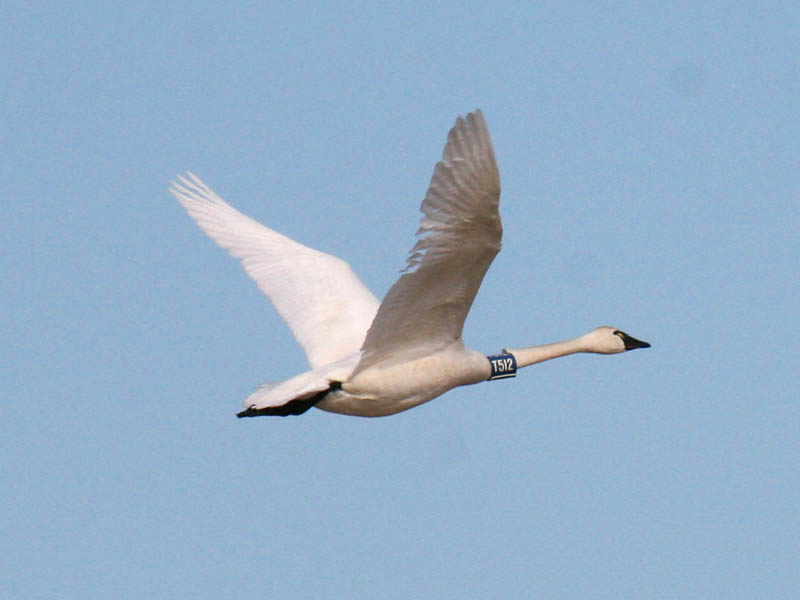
(374,359)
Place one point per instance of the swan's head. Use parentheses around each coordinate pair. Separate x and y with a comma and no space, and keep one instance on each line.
(609,340)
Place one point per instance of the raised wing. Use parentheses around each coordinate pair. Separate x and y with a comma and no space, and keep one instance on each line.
(324,303)
(459,236)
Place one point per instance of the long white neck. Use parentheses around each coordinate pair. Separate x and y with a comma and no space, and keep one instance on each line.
(536,354)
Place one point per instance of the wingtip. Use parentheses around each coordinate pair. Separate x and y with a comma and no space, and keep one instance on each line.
(180,184)
(476,116)
(187,179)
(189,189)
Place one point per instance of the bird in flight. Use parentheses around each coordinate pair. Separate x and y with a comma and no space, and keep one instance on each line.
(371,358)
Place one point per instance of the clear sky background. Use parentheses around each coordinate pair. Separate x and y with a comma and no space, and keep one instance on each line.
(650,166)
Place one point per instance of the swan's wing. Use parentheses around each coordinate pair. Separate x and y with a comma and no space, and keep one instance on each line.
(459,236)
(324,303)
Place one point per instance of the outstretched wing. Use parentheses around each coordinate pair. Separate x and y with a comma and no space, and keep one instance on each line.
(324,303)
(459,236)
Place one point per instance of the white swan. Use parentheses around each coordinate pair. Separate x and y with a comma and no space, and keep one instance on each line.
(374,359)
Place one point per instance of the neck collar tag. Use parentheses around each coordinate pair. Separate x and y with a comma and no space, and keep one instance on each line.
(503,366)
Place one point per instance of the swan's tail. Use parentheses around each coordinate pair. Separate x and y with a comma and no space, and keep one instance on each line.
(297,406)
(296,395)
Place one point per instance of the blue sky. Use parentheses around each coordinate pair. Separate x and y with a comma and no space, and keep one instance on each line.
(649,161)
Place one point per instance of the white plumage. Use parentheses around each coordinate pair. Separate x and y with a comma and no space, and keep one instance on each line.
(370,358)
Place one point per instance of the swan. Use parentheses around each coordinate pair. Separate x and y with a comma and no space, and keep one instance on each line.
(371,358)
